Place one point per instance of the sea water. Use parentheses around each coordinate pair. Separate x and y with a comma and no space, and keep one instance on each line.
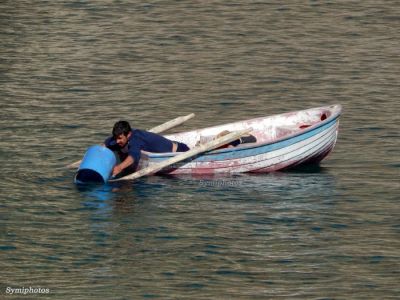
(70,69)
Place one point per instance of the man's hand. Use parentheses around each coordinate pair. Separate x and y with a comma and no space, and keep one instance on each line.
(126,163)
(116,170)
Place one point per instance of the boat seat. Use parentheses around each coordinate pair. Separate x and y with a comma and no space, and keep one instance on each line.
(243,140)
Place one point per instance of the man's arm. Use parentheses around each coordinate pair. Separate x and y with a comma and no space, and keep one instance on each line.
(126,163)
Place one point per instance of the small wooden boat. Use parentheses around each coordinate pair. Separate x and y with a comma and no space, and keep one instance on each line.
(283,141)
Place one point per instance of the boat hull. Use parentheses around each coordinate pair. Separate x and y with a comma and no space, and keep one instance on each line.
(282,149)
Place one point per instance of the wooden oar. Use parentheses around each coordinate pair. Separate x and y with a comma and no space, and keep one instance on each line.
(158,129)
(185,155)
(171,124)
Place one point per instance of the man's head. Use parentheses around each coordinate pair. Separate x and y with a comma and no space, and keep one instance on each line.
(122,132)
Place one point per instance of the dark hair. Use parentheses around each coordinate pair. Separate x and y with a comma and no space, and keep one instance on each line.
(121,127)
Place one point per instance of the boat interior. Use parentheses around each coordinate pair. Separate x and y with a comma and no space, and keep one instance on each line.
(265,129)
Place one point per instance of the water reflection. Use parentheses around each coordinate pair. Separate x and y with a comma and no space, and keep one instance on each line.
(283,187)
(278,183)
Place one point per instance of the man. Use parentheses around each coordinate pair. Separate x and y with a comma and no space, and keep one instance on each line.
(128,143)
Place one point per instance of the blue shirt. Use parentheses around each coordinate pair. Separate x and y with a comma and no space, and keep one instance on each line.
(140,140)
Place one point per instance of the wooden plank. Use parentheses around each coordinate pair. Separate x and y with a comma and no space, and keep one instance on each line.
(171,124)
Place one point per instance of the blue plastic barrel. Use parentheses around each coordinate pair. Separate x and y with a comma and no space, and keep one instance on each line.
(96,166)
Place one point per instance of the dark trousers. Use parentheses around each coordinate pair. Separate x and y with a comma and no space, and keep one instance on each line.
(182,147)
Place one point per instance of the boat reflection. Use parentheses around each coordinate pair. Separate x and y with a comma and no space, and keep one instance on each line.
(301,183)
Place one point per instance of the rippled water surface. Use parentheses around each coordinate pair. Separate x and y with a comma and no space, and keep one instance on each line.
(70,69)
